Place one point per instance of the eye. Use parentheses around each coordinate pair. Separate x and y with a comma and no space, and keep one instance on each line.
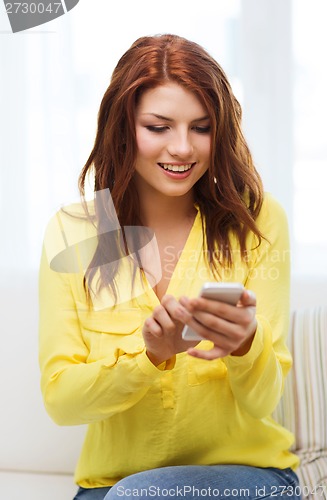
(156,128)
(202,130)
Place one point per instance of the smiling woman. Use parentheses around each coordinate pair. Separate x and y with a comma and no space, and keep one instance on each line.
(176,143)
(170,154)
(169,61)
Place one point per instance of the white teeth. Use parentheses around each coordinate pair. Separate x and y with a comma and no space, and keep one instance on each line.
(176,168)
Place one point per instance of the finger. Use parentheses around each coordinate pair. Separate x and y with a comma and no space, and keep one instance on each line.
(187,304)
(151,327)
(214,328)
(228,336)
(206,324)
(248,298)
(214,353)
(225,311)
(205,330)
(175,309)
(161,316)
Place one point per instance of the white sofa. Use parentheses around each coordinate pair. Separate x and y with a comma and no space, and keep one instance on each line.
(36,456)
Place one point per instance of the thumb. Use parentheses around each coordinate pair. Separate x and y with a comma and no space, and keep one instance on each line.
(248,298)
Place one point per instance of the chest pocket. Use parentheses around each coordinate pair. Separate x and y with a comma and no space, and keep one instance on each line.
(112,333)
(200,371)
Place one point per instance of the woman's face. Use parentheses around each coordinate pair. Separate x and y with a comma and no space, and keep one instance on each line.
(173,141)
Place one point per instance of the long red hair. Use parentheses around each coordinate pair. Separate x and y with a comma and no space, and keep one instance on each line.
(229,194)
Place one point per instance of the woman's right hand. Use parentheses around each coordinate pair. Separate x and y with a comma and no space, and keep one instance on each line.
(162,332)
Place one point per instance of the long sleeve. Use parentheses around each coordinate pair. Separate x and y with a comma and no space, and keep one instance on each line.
(90,368)
(257,378)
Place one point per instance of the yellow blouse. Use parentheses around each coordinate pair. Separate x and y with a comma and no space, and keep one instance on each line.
(190,411)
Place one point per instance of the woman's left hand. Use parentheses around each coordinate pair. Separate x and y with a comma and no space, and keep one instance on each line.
(230,328)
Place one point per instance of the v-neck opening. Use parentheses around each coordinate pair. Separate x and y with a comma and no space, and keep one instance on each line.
(180,262)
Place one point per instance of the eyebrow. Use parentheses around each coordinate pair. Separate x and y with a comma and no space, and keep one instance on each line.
(161,117)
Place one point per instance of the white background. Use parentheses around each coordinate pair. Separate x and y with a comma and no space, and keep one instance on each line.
(53,78)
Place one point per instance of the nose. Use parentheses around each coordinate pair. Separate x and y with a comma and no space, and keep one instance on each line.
(180,145)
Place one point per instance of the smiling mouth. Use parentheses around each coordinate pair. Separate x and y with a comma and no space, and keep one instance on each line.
(176,168)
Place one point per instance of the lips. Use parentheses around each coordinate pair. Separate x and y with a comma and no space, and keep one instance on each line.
(176,168)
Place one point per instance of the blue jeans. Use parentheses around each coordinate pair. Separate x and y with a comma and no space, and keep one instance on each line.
(215,481)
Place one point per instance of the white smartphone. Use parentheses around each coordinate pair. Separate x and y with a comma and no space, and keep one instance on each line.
(229,293)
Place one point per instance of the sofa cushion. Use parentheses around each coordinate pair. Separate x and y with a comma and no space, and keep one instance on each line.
(303,408)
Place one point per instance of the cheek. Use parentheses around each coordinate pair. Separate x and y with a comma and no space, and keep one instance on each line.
(146,146)
(206,147)
(202,145)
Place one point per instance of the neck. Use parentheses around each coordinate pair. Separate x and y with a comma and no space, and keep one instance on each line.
(166,211)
